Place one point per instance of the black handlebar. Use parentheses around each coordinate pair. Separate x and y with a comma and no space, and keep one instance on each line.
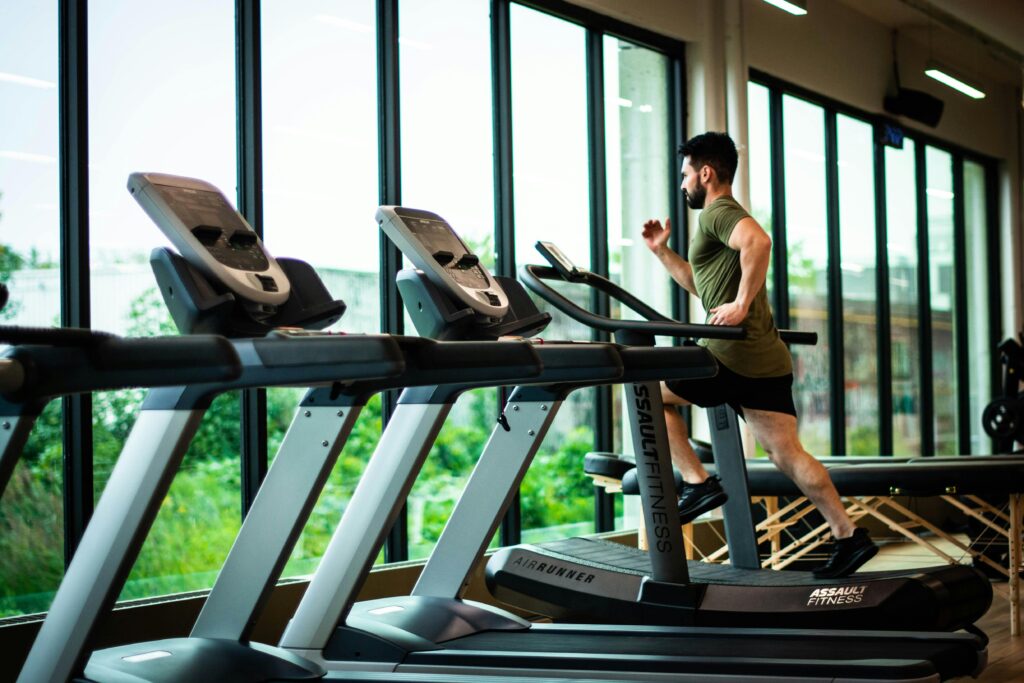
(52,336)
(108,362)
(655,324)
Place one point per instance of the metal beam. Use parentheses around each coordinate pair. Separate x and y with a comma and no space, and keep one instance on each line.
(73,116)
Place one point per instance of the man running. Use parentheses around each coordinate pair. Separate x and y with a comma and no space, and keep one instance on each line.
(726,270)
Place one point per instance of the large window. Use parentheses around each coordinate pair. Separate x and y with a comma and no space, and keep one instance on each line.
(759,159)
(641,184)
(31,519)
(942,297)
(807,259)
(447,168)
(859,284)
(182,123)
(319,197)
(162,90)
(879,249)
(979,316)
(549,115)
(904,324)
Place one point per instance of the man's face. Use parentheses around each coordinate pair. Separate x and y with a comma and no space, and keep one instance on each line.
(695,191)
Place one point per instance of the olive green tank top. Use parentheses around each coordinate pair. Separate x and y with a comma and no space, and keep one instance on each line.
(716,273)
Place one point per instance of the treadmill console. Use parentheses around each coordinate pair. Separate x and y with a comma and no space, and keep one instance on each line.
(211,235)
(433,247)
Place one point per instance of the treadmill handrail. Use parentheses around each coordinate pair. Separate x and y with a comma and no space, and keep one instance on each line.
(658,324)
(533,276)
(80,361)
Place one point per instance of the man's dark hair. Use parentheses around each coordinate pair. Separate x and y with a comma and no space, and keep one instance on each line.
(716,150)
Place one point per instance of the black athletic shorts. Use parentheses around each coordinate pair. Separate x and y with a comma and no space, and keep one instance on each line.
(774,394)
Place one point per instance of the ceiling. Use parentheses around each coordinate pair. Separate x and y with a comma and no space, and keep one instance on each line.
(995,26)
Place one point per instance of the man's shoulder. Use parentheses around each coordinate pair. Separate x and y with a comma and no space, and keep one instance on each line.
(721,216)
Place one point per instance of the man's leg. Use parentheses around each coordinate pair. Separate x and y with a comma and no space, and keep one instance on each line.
(683,457)
(700,492)
(777,433)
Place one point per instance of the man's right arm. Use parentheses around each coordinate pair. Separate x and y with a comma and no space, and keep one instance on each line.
(656,237)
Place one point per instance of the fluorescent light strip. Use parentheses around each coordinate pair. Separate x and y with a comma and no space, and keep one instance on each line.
(341,22)
(27,156)
(787,6)
(25,80)
(938,194)
(954,83)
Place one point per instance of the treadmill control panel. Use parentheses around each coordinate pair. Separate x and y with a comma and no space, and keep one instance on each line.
(433,247)
(211,235)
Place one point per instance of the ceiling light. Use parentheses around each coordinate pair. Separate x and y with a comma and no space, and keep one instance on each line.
(797,7)
(25,80)
(948,77)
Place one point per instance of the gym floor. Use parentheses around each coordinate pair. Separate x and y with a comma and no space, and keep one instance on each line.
(1005,653)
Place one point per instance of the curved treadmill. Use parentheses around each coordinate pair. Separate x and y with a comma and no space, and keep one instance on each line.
(535,575)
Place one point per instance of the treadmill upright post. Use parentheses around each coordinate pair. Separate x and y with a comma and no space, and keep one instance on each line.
(374,505)
(125,512)
(657,483)
(728,452)
(307,455)
(16,422)
(478,512)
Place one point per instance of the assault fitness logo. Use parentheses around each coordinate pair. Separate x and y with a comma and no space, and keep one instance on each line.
(837,595)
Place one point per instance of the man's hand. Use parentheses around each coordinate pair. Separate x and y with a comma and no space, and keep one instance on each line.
(655,236)
(728,314)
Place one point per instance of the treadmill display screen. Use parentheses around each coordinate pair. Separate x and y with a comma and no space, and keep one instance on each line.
(217,227)
(439,238)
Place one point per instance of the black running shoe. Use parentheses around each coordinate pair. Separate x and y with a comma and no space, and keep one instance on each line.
(848,555)
(696,499)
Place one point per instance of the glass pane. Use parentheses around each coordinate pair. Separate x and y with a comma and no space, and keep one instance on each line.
(943,297)
(860,296)
(979,339)
(320,159)
(445,58)
(31,517)
(901,225)
(320,194)
(807,263)
(549,115)
(759,153)
(641,173)
(138,123)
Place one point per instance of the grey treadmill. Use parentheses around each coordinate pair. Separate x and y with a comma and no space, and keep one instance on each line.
(204,294)
(434,631)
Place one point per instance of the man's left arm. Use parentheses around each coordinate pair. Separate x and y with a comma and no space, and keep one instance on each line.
(755,248)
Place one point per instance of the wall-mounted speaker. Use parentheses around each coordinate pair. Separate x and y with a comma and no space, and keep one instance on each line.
(916,105)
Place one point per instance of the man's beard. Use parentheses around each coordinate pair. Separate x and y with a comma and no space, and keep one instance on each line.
(697,199)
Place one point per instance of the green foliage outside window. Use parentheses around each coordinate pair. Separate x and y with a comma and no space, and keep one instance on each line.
(201,514)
